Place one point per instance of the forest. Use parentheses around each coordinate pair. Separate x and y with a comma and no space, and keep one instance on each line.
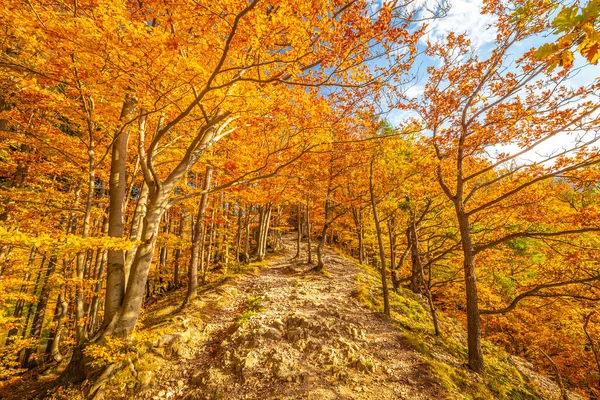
(151,151)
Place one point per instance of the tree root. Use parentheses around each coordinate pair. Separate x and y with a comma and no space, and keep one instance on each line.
(96,389)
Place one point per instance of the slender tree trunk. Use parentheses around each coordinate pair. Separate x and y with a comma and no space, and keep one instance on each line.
(177,254)
(416,283)
(383,271)
(94,305)
(211,240)
(40,312)
(99,277)
(595,393)
(299,227)
(425,283)
(392,237)
(238,244)
(197,238)
(164,253)
(309,232)
(398,268)
(247,239)
(563,392)
(62,306)
(321,245)
(38,279)
(473,317)
(20,304)
(263,232)
(357,214)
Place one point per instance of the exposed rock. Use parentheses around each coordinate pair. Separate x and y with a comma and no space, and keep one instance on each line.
(295,334)
(278,324)
(145,378)
(250,362)
(270,333)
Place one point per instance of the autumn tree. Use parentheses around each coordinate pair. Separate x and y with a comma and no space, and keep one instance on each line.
(473,105)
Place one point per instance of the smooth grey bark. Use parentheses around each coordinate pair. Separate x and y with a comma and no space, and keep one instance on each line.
(197,238)
(115,278)
(263,230)
(135,233)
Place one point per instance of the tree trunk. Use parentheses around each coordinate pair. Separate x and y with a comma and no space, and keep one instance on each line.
(20,304)
(321,245)
(247,239)
(416,283)
(135,233)
(127,316)
(177,254)
(163,253)
(357,214)
(299,227)
(383,271)
(115,279)
(40,312)
(425,284)
(473,317)
(263,231)
(392,236)
(197,238)
(52,347)
(238,244)
(595,393)
(309,231)
(211,239)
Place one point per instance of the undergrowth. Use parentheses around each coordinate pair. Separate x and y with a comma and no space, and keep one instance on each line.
(446,354)
(254,306)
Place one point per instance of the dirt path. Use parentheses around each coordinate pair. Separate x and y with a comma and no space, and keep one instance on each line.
(295,334)
(281,333)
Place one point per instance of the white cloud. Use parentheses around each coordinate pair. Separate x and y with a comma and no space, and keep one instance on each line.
(465,17)
(414,91)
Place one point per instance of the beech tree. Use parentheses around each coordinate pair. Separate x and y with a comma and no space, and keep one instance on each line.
(473,105)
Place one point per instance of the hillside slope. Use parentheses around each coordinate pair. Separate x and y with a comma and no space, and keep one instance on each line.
(280,331)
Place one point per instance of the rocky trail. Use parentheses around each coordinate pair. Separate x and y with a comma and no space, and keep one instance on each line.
(283,333)
(279,330)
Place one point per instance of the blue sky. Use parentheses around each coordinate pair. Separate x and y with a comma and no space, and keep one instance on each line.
(464,17)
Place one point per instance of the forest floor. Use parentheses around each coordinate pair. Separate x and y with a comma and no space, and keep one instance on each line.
(278,330)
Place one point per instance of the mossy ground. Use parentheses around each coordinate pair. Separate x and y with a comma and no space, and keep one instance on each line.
(446,354)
